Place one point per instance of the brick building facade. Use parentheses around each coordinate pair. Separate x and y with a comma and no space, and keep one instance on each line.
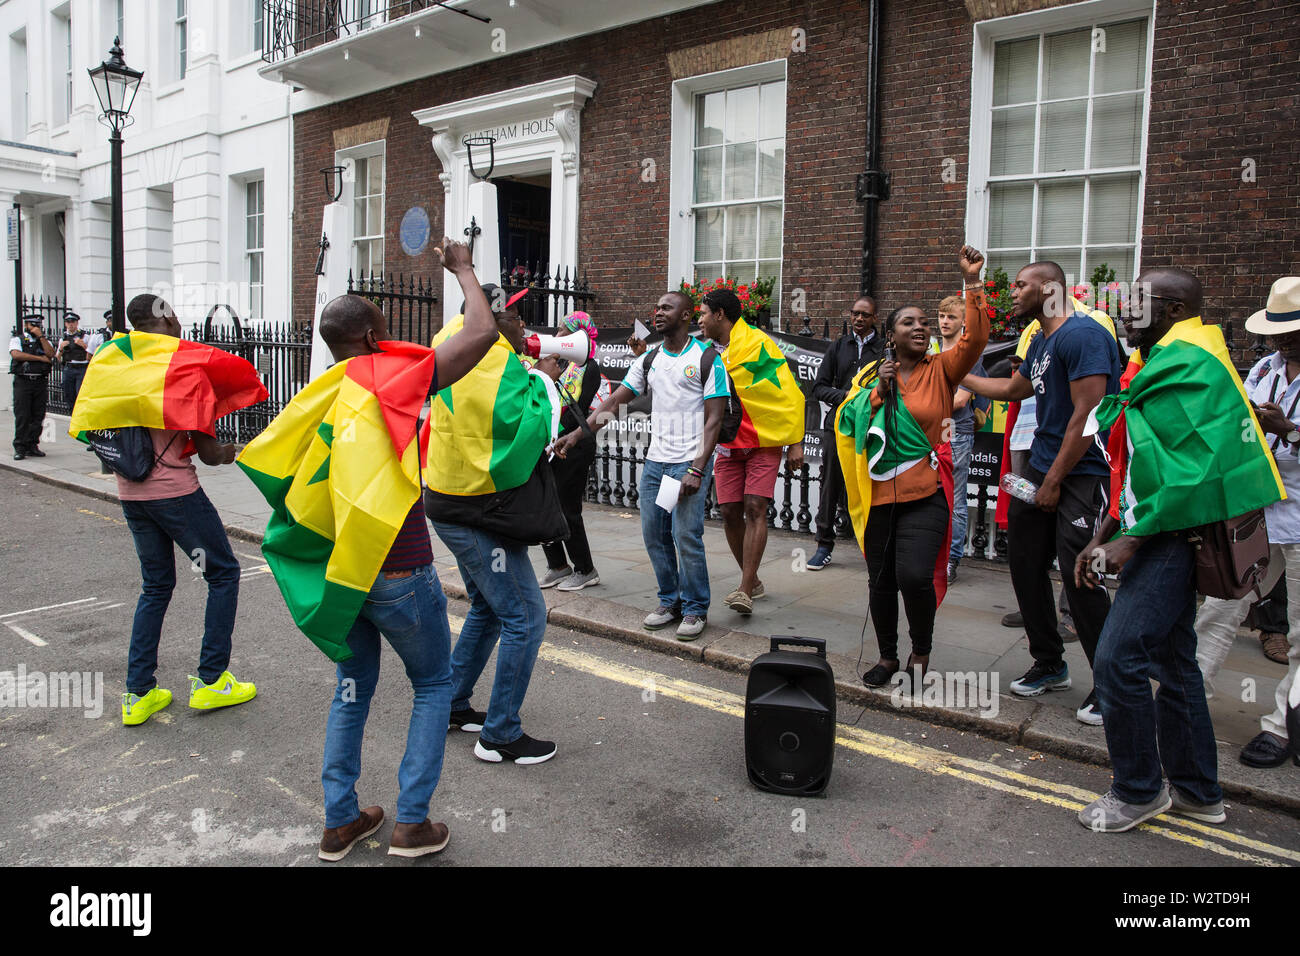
(1219,187)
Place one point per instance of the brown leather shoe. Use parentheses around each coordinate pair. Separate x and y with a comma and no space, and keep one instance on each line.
(1275,647)
(337,841)
(418,839)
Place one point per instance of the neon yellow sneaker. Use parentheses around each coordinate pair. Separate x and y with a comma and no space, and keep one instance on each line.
(225,691)
(137,709)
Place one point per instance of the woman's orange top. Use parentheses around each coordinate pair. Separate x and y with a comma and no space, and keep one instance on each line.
(928,394)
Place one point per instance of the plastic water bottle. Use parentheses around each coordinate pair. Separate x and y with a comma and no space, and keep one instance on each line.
(1021,488)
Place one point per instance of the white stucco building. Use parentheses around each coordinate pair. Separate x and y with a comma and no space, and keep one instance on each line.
(206,166)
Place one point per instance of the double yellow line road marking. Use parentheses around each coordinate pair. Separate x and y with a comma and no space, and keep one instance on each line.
(925,759)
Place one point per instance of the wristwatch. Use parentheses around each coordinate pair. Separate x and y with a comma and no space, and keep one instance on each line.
(1293,436)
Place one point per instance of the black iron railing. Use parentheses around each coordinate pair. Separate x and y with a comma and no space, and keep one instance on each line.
(409,303)
(290,27)
(281,353)
(550,298)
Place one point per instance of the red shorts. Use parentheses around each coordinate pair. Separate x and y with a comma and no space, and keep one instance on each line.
(746,471)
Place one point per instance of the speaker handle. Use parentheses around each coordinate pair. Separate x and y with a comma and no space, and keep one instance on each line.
(816,643)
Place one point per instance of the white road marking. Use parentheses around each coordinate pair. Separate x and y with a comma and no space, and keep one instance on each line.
(26,635)
(48,607)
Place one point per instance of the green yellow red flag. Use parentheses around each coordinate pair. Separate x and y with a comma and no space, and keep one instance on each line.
(487,431)
(1195,451)
(771,401)
(340,469)
(879,445)
(159,381)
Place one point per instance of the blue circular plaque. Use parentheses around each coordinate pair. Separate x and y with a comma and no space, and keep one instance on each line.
(415,231)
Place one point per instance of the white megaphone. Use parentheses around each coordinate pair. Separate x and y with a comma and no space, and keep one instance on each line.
(575,347)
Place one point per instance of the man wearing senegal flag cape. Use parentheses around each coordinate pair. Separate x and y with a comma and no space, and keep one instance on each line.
(1186,450)
(487,435)
(350,550)
(892,436)
(176,389)
(772,418)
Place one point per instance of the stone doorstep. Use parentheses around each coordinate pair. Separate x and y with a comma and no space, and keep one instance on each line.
(1024,722)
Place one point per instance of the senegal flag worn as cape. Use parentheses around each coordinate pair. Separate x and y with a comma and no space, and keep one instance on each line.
(1194,448)
(770,398)
(880,445)
(158,381)
(340,468)
(487,431)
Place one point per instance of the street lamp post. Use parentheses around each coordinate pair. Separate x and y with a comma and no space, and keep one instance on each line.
(115,85)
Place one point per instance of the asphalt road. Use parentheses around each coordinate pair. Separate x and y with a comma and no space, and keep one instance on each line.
(640,778)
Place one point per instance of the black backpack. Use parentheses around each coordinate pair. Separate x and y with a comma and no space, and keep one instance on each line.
(731,415)
(127,452)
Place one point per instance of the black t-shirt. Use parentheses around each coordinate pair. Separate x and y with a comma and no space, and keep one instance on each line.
(1078,348)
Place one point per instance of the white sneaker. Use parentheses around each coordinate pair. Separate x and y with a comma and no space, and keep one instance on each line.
(661,617)
(1090,712)
(690,628)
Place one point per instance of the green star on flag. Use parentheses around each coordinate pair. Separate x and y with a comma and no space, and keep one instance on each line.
(765,367)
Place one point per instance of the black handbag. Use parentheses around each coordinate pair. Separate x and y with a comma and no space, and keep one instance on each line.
(528,514)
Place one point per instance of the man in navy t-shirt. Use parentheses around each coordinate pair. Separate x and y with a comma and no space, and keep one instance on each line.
(1070,366)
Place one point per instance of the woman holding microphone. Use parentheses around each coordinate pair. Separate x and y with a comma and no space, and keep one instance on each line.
(908,466)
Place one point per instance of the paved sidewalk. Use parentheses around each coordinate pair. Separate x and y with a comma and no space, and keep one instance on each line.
(830,604)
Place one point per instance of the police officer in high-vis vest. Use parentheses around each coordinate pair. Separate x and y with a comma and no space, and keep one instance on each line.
(74,355)
(31,358)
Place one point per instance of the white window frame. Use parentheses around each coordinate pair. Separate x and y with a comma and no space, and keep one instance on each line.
(1020,26)
(258,25)
(67,84)
(181,36)
(374,149)
(21,122)
(61,53)
(256,308)
(354,20)
(681,188)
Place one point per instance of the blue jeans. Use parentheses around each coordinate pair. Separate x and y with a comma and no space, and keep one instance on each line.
(961,450)
(675,542)
(193,525)
(411,613)
(505,603)
(1149,633)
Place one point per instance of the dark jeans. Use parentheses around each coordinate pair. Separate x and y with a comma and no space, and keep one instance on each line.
(571,482)
(30,396)
(72,378)
(1149,635)
(193,525)
(832,492)
(1034,538)
(903,542)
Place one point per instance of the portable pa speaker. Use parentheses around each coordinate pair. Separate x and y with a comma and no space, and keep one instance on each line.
(790,718)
